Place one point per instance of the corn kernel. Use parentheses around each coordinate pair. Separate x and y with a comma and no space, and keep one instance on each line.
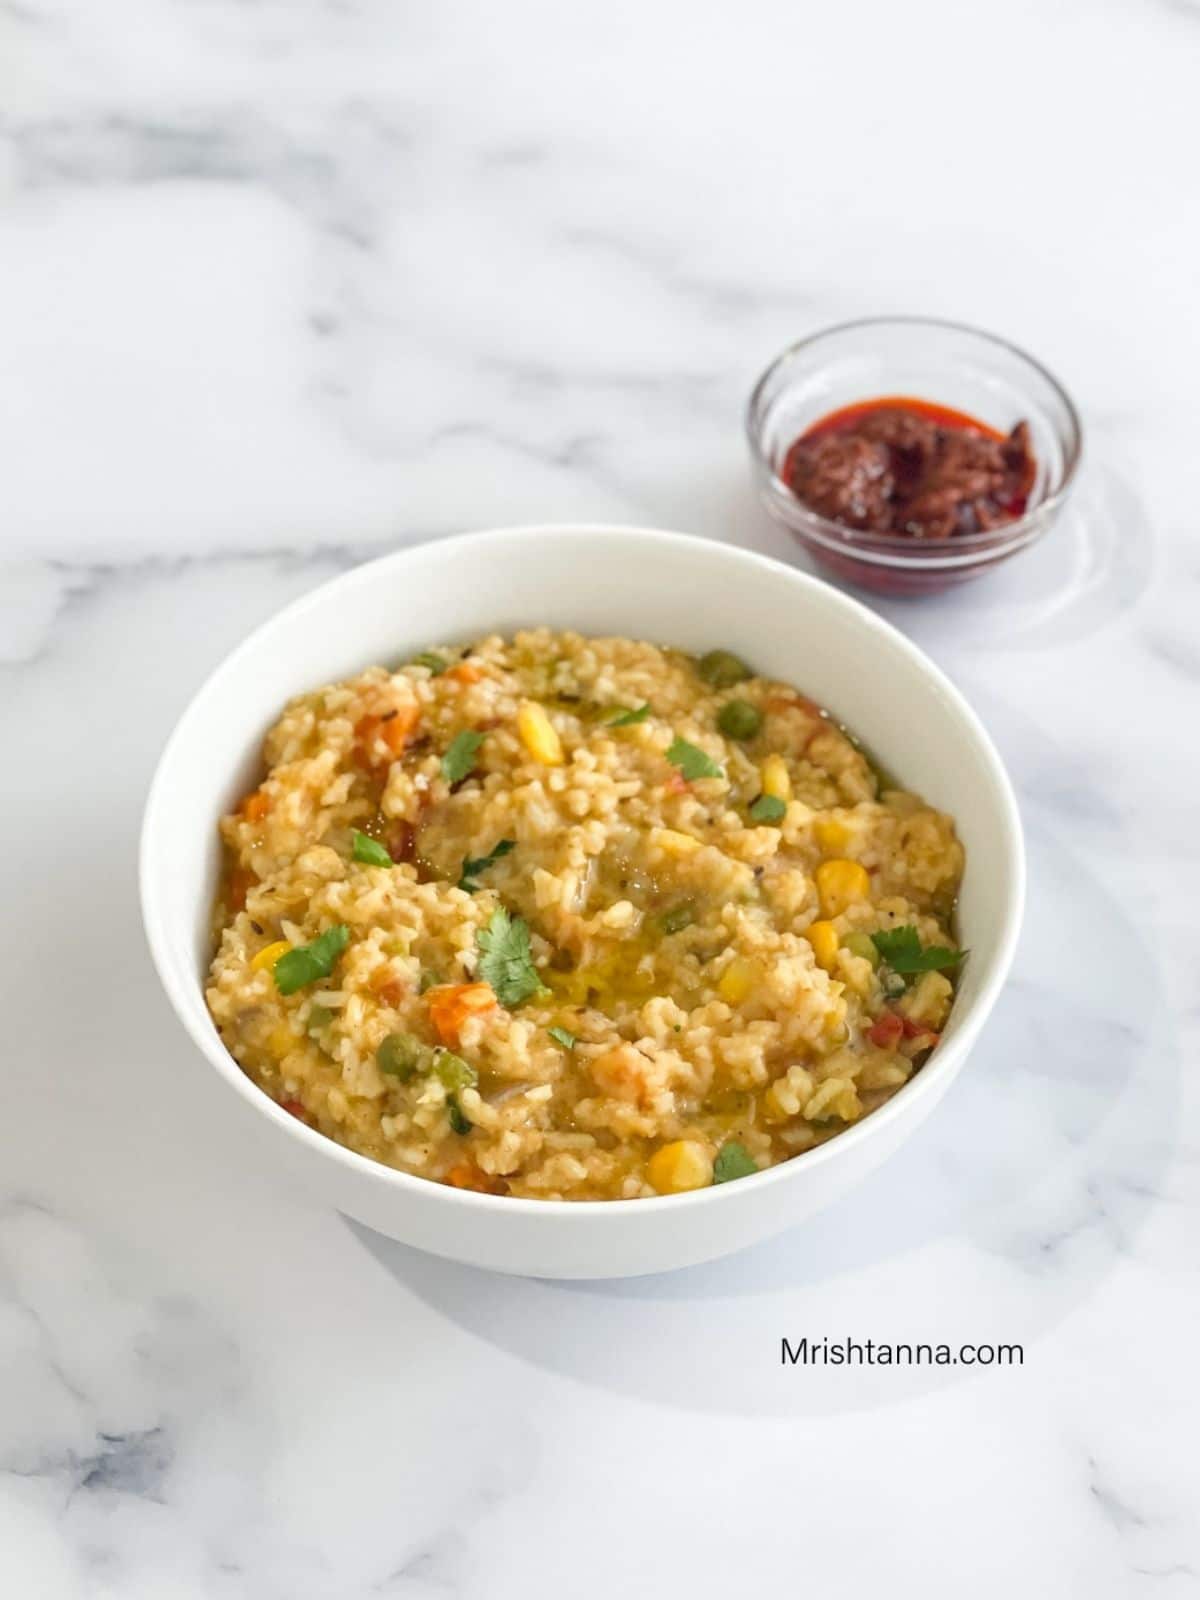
(675,1168)
(840,884)
(736,982)
(280,1041)
(538,734)
(674,843)
(775,778)
(831,836)
(269,955)
(824,940)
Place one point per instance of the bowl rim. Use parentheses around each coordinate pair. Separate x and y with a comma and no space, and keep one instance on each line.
(184,992)
(895,549)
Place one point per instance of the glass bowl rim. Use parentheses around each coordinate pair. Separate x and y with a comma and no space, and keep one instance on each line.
(886,548)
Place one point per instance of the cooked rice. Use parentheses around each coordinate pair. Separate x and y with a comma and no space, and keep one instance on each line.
(736,1027)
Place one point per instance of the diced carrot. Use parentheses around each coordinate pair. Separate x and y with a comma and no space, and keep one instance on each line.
(450,1004)
(464,672)
(396,730)
(255,806)
(887,1030)
(677,784)
(297,1109)
(392,727)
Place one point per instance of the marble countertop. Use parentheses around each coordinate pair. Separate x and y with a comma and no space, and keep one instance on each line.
(286,283)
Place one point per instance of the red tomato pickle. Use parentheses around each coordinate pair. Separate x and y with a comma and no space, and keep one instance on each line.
(908,468)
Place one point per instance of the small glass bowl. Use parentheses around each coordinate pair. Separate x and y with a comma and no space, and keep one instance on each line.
(920,357)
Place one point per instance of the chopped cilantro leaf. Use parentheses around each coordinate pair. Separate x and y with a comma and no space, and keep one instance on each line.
(429,658)
(626,719)
(733,1161)
(505,959)
(369,851)
(473,866)
(768,808)
(901,949)
(459,759)
(308,962)
(564,1037)
(691,761)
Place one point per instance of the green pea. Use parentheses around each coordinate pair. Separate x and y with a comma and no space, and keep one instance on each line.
(723,669)
(400,1056)
(453,1071)
(738,719)
(678,918)
(861,944)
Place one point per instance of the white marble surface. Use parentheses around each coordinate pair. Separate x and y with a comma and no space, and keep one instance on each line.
(286,282)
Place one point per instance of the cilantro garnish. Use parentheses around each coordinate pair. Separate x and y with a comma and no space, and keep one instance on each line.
(733,1161)
(473,866)
(626,719)
(564,1037)
(901,949)
(505,960)
(369,851)
(308,962)
(691,761)
(429,658)
(459,759)
(768,808)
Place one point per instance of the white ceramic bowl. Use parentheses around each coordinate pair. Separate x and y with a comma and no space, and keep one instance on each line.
(602,580)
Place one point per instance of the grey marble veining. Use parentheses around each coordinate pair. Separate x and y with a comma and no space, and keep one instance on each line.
(285,283)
